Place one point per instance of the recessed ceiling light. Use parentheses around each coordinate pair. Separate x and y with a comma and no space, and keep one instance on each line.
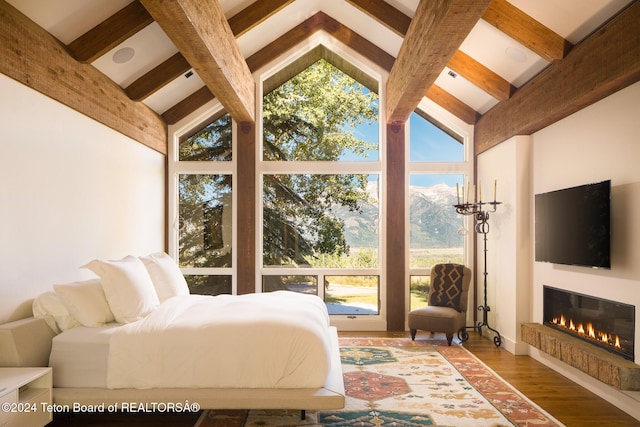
(516,54)
(123,55)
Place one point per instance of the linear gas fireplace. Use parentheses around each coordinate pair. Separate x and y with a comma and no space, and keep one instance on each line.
(604,323)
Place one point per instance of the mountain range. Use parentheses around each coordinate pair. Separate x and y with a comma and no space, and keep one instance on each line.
(433,219)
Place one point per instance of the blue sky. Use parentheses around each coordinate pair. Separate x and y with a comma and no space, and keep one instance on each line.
(428,144)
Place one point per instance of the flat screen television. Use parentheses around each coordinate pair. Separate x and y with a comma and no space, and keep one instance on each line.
(573,226)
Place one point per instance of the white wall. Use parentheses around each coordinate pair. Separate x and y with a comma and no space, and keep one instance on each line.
(508,241)
(597,143)
(71,190)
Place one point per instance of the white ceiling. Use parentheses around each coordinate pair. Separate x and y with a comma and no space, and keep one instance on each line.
(572,19)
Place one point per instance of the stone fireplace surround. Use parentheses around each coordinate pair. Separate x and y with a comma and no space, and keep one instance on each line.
(595,360)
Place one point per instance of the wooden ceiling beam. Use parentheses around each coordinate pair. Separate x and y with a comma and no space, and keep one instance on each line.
(385,14)
(320,21)
(188,105)
(254,14)
(110,33)
(461,63)
(294,36)
(202,34)
(452,104)
(291,38)
(526,30)
(317,22)
(602,64)
(160,76)
(437,29)
(177,65)
(481,76)
(34,57)
(356,42)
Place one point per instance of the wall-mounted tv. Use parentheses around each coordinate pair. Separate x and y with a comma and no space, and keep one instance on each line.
(573,226)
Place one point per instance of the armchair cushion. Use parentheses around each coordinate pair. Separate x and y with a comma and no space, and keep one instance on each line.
(441,319)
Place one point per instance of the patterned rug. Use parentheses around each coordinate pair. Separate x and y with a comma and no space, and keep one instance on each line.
(404,383)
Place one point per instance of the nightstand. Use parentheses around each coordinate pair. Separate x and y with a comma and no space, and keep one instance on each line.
(25,394)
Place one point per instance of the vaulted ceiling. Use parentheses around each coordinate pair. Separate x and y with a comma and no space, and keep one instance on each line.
(477,59)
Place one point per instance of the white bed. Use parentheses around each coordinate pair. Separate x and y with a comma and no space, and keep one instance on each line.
(80,355)
(256,351)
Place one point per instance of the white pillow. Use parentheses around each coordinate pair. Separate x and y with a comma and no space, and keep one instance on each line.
(127,286)
(86,302)
(165,275)
(50,307)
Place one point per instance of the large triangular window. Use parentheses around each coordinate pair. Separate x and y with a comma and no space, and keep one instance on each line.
(320,184)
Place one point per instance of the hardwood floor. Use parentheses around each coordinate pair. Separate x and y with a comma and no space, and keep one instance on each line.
(568,402)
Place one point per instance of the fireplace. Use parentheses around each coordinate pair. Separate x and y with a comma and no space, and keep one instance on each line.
(604,323)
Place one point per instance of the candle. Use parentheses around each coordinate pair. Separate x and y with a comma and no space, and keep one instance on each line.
(458,192)
(474,194)
(495,186)
(480,191)
(468,188)
(463,194)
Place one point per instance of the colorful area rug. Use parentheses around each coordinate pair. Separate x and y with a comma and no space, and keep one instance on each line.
(402,383)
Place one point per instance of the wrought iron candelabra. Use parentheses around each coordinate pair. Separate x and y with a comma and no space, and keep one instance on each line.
(481,218)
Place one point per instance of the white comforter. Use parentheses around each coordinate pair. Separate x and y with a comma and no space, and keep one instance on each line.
(270,340)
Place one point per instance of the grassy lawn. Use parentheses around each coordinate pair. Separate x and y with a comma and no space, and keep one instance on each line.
(370,299)
(418,298)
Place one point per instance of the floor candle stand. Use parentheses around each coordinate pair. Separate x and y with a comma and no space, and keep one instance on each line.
(481,217)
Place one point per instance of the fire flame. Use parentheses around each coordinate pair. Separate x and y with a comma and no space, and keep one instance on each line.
(590,331)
